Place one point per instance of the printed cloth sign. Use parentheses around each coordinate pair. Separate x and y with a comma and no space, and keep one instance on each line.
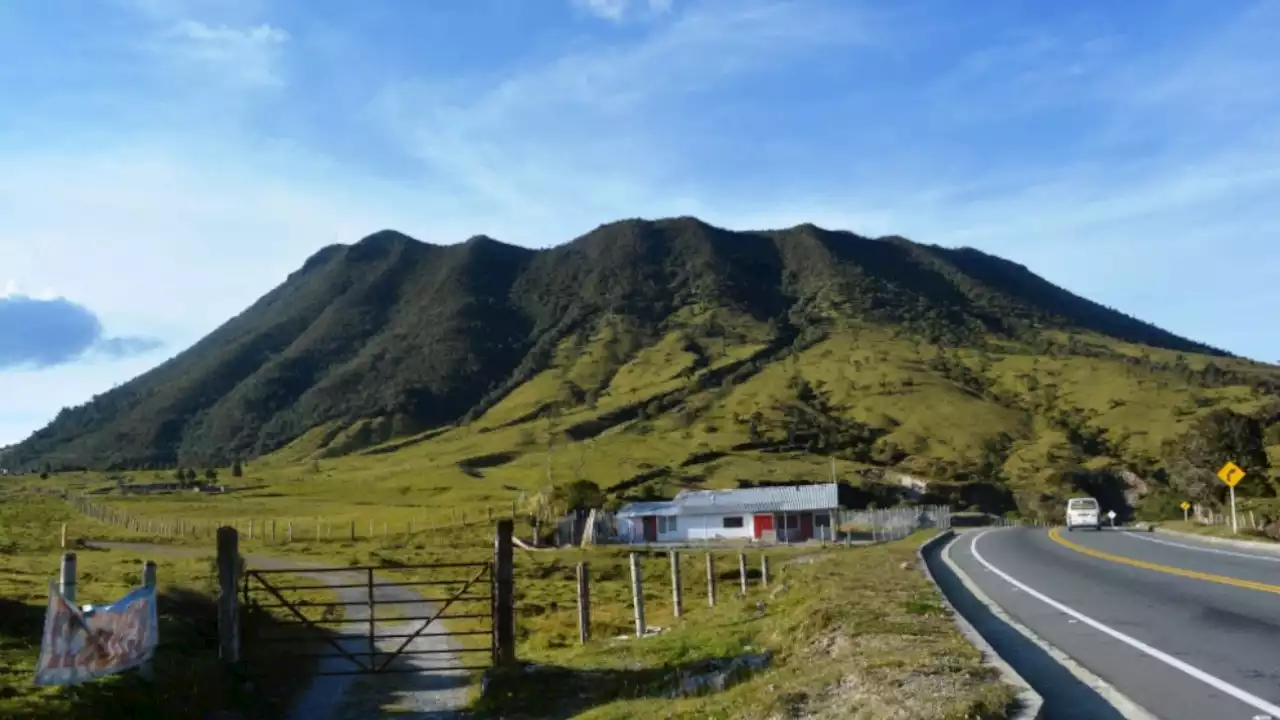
(77,647)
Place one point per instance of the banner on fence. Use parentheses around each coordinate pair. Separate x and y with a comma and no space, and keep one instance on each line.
(78,647)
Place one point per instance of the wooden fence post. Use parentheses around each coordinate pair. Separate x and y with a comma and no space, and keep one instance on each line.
(742,571)
(711,580)
(764,571)
(250,528)
(677,600)
(64,536)
(67,577)
(504,611)
(584,604)
(273,530)
(147,671)
(228,601)
(637,593)
(373,623)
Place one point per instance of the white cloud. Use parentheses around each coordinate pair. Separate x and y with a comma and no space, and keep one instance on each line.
(620,10)
(581,131)
(243,56)
(605,9)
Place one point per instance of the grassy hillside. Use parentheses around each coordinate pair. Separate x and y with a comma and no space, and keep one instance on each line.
(648,356)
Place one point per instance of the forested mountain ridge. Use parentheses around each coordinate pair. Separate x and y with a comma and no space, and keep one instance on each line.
(638,321)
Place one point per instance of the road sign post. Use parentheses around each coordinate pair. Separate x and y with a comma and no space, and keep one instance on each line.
(1186,506)
(1111,516)
(1231,474)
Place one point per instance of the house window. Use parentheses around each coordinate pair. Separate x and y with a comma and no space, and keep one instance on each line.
(821,520)
(733,522)
(666,524)
(791,522)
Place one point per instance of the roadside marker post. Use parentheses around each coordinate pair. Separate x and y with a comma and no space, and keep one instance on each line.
(1186,506)
(1111,516)
(1232,474)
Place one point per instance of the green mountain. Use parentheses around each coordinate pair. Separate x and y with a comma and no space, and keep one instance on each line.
(739,354)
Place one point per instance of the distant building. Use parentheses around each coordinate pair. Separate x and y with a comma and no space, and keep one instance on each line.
(779,513)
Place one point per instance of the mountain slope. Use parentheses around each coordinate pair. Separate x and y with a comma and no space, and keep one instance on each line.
(799,342)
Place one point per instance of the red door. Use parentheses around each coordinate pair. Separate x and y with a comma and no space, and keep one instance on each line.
(806,526)
(650,528)
(760,524)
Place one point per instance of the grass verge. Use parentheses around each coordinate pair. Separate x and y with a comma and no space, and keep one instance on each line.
(1220,531)
(852,634)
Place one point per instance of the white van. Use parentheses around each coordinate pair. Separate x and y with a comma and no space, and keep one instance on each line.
(1083,512)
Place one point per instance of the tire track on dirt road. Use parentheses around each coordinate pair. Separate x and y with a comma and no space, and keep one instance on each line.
(432,694)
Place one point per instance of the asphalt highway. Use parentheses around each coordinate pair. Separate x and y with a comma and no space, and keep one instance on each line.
(1185,629)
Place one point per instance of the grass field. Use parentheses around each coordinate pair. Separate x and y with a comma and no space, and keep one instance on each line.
(187,671)
(843,629)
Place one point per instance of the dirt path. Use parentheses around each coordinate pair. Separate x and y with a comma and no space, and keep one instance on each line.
(433,694)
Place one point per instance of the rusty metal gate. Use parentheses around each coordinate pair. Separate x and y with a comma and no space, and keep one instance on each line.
(368,620)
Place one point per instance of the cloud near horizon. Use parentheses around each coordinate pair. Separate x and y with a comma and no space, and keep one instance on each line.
(38,333)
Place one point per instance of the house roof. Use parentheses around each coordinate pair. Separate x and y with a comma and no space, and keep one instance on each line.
(777,498)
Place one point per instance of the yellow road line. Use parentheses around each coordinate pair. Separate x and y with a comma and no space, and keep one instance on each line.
(1056,536)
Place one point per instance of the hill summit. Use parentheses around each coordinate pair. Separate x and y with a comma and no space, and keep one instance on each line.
(879,341)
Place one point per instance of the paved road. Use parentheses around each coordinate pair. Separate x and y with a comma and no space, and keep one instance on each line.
(435,693)
(1183,628)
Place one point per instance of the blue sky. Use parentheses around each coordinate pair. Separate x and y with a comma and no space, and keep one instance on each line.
(165,162)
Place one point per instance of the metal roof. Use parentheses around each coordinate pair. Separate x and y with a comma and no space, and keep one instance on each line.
(776,498)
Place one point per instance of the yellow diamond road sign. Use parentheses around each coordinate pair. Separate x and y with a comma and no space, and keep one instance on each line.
(1185,505)
(1231,474)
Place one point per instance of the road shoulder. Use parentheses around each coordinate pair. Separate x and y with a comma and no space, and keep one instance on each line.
(1042,662)
(1030,703)
(1269,548)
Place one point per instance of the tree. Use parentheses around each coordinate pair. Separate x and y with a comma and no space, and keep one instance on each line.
(236,469)
(1212,440)
(578,495)
(190,475)
(210,474)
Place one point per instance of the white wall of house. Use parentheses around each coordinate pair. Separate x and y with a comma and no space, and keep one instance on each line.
(683,528)
(733,526)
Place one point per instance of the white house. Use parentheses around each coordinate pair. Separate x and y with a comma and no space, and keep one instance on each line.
(790,513)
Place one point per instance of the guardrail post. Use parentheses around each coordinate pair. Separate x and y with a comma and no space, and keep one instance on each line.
(584,604)
(677,601)
(67,577)
(637,593)
(504,611)
(228,602)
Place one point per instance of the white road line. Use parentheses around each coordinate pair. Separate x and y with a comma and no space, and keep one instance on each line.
(1203,549)
(1173,662)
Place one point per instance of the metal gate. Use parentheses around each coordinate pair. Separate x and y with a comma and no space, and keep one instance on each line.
(368,620)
